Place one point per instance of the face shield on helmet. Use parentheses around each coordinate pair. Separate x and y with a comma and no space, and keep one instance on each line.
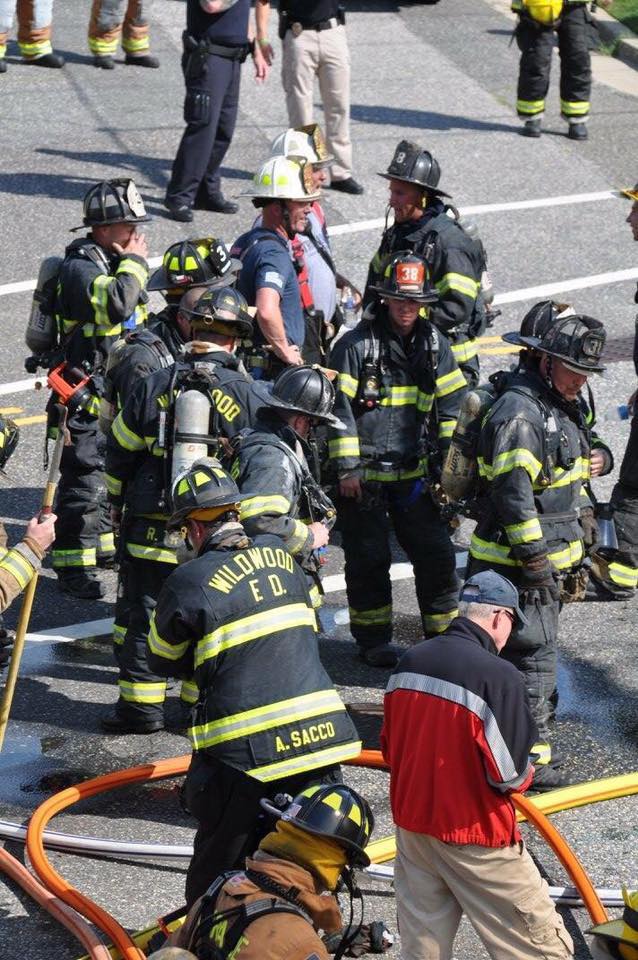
(194,263)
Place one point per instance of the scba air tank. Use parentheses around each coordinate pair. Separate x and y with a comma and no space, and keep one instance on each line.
(460,470)
(192,420)
(41,333)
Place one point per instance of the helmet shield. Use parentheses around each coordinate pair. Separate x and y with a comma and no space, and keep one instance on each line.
(412,164)
(406,277)
(306,143)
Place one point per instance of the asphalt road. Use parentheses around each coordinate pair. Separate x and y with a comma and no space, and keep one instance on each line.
(443,75)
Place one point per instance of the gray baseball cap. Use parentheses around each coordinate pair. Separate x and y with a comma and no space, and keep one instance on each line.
(490,587)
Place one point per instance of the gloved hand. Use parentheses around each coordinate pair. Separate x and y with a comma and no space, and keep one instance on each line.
(590,528)
(371,938)
(538,580)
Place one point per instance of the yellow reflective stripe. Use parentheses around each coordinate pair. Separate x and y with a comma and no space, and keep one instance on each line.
(133,45)
(135,269)
(39,49)
(399,396)
(99,301)
(92,406)
(530,106)
(446,429)
(102,47)
(119,632)
(160,647)
(465,350)
(159,554)
(460,283)
(348,385)
(89,330)
(73,558)
(392,475)
(126,437)
(257,625)
(524,532)
(438,622)
(367,618)
(189,692)
(424,402)
(142,692)
(491,552)
(298,539)
(106,543)
(310,761)
(540,754)
(18,566)
(519,458)
(344,447)
(449,382)
(113,485)
(562,477)
(569,556)
(623,575)
(315,596)
(266,717)
(254,506)
(574,108)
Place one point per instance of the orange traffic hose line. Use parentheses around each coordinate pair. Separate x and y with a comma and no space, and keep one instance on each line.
(66,798)
(566,856)
(58,910)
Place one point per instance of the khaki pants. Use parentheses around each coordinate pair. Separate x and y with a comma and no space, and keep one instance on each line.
(499,889)
(323,54)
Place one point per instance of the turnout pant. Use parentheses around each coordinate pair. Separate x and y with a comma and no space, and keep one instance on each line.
(499,889)
(365,529)
(620,574)
(83,529)
(210,113)
(322,54)
(536,42)
(225,802)
(112,19)
(34,26)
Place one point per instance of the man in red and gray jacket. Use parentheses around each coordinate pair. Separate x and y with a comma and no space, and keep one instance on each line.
(457,734)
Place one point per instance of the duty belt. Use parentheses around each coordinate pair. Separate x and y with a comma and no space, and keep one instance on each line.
(229,53)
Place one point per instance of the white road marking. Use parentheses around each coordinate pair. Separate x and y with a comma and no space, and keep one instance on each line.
(562,286)
(19,386)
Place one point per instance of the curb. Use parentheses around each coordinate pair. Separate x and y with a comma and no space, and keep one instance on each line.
(612,31)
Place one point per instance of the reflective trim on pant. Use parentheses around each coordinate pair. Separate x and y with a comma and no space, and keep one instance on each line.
(189,692)
(34,26)
(142,692)
(110,20)
(61,559)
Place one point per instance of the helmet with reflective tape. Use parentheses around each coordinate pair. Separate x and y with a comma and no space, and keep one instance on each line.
(412,164)
(113,201)
(577,341)
(203,492)
(334,811)
(621,936)
(222,310)
(405,276)
(9,436)
(305,142)
(195,263)
(305,390)
(283,179)
(538,320)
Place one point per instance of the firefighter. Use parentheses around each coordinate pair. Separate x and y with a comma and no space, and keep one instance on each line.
(112,20)
(101,293)
(283,190)
(317,274)
(615,578)
(34,32)
(145,448)
(288,884)
(282,495)
(456,261)
(399,393)
(268,719)
(534,456)
(538,24)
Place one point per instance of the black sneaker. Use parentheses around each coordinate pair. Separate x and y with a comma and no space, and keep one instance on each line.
(383,655)
(179,211)
(52,60)
(577,131)
(83,584)
(114,723)
(531,128)
(350,185)
(144,60)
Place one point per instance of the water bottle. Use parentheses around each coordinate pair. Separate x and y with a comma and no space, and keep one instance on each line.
(348,308)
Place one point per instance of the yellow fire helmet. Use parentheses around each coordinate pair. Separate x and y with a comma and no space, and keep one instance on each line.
(621,936)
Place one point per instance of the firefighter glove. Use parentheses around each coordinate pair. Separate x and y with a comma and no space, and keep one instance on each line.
(590,528)
(538,580)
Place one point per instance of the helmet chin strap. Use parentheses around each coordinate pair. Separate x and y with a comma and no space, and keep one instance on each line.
(285,216)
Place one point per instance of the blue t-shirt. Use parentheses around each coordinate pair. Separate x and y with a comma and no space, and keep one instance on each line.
(268,263)
(230,28)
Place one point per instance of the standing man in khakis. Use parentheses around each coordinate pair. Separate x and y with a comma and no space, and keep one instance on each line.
(457,734)
(217,40)
(314,44)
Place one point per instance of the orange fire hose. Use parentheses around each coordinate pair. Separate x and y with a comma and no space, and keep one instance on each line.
(58,910)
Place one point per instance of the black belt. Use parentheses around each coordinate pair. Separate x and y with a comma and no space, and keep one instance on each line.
(229,53)
(297,26)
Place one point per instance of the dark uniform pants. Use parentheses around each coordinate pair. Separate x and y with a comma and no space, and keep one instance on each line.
(536,42)
(83,531)
(532,649)
(210,112)
(620,574)
(365,529)
(225,802)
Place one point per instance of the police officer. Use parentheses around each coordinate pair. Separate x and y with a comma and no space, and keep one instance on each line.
(456,261)
(533,458)
(283,901)
(34,32)
(144,447)
(281,493)
(268,719)
(216,43)
(101,293)
(112,19)
(615,578)
(315,44)
(283,190)
(539,22)
(399,393)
